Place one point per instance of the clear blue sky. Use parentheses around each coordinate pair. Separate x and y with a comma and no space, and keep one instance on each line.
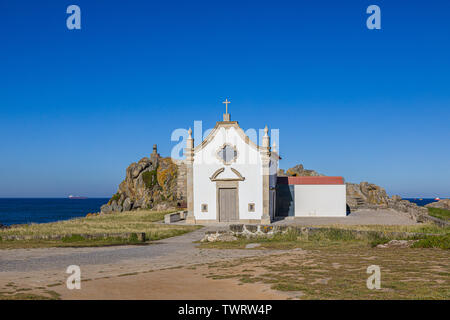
(77,107)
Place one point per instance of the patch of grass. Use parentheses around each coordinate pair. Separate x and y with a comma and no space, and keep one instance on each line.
(73,238)
(337,270)
(439,213)
(441,241)
(416,228)
(124,222)
(326,236)
(128,274)
(54,284)
(19,295)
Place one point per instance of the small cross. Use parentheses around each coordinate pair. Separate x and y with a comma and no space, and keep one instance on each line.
(226,105)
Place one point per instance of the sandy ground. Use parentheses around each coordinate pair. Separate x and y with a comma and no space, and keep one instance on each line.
(129,272)
(147,272)
(174,284)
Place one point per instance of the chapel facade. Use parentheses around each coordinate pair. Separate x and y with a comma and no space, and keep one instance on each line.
(229,177)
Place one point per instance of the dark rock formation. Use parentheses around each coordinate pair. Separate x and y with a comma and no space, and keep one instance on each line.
(151,183)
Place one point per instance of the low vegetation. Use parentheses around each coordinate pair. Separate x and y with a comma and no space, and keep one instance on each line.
(338,270)
(429,235)
(118,223)
(439,213)
(332,264)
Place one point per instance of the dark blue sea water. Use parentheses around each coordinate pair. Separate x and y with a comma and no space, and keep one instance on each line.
(18,211)
(421,201)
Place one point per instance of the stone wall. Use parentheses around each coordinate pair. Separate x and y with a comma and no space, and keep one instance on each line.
(140,236)
(258,231)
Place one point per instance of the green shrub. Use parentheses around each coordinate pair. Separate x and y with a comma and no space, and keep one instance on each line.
(133,237)
(115,197)
(150,178)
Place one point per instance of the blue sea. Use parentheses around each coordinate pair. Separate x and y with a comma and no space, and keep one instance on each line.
(421,201)
(18,211)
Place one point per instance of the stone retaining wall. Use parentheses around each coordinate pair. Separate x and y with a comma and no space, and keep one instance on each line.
(268,230)
(98,236)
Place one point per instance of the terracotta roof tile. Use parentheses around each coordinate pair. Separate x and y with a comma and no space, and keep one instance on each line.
(310,180)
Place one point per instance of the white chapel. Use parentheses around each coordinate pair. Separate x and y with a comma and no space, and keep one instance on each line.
(232,179)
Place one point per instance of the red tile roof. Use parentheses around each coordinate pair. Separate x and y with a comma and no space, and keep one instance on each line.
(310,180)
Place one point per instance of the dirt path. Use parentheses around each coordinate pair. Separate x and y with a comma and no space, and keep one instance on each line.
(105,268)
(176,284)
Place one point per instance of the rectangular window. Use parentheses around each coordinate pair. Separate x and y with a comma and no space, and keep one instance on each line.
(204,207)
(251,207)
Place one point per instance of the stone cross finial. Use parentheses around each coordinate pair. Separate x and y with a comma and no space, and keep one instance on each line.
(226,115)
(226,104)
(190,133)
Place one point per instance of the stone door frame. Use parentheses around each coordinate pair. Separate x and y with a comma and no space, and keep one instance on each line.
(226,185)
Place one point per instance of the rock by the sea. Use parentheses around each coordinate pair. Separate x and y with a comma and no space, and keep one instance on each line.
(366,195)
(151,183)
(298,171)
(441,204)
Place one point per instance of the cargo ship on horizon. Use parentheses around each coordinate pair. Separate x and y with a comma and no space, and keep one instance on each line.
(77,197)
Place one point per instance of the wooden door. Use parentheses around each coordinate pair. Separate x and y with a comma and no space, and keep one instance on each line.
(228,204)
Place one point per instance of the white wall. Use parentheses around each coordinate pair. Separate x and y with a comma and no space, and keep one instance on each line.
(248,163)
(320,200)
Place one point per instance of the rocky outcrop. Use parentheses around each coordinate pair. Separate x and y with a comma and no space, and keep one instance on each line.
(370,196)
(151,183)
(441,204)
(412,210)
(298,171)
(366,195)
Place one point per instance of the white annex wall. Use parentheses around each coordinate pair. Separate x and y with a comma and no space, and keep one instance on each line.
(320,200)
(248,164)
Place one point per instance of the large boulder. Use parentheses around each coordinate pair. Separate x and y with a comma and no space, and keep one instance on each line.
(127,204)
(441,204)
(151,183)
(299,170)
(365,195)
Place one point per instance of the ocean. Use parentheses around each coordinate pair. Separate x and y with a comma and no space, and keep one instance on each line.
(18,211)
(421,201)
